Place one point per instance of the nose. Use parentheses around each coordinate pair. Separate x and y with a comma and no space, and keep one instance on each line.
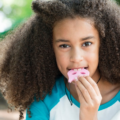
(76,56)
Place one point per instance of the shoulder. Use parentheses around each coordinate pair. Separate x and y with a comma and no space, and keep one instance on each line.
(57,93)
(53,99)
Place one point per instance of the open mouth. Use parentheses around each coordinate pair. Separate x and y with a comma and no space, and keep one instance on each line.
(79,69)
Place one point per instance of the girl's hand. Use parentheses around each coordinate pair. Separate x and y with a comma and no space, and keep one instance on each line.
(89,98)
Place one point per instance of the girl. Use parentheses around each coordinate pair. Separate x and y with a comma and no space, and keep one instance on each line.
(65,35)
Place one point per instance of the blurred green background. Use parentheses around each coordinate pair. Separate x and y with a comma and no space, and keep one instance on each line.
(12,13)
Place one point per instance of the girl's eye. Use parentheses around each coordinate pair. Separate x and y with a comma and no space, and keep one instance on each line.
(86,44)
(64,46)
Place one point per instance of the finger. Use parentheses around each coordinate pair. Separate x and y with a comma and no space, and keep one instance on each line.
(88,87)
(84,92)
(80,96)
(94,85)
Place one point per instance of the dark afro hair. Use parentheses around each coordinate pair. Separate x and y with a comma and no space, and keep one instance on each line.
(28,66)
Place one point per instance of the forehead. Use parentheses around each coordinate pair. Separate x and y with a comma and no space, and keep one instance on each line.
(77,26)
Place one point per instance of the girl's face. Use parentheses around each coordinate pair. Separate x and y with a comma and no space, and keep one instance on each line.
(76,45)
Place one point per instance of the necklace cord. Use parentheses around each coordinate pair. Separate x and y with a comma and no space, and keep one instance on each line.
(70,100)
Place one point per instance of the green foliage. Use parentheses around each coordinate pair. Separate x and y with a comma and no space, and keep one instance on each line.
(20,11)
(118,1)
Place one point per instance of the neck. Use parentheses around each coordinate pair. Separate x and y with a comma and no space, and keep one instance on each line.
(105,87)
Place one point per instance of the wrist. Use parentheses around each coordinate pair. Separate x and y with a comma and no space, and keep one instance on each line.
(95,118)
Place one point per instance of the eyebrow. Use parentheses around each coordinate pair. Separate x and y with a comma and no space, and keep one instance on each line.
(86,38)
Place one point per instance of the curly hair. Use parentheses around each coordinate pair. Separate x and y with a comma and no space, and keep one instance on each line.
(28,66)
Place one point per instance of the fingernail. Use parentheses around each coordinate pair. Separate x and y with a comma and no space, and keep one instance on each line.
(76,79)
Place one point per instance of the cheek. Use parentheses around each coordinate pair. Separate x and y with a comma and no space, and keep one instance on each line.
(93,55)
(62,61)
(93,60)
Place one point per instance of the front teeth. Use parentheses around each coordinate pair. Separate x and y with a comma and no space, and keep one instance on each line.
(77,69)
